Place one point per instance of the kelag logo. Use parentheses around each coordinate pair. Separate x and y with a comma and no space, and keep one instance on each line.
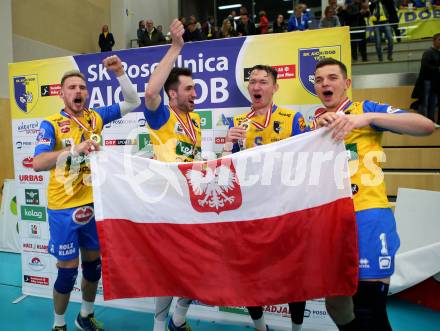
(205,119)
(31,196)
(30,213)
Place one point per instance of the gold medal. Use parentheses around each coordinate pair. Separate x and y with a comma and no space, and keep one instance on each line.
(96,138)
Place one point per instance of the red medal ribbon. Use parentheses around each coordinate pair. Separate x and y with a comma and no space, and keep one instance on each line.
(189,131)
(267,120)
(79,122)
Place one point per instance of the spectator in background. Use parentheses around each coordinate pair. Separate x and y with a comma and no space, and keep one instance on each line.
(427,88)
(298,21)
(160,28)
(152,36)
(330,20)
(226,30)
(209,29)
(106,40)
(140,33)
(246,26)
(192,18)
(263,24)
(380,19)
(390,7)
(231,18)
(182,20)
(191,32)
(279,25)
(354,14)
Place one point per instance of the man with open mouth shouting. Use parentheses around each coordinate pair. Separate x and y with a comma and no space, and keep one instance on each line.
(175,133)
(264,124)
(63,144)
(361,125)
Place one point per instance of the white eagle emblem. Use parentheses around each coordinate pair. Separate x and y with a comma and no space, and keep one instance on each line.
(214,184)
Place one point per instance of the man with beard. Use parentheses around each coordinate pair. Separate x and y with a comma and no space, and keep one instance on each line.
(175,133)
(63,144)
(266,123)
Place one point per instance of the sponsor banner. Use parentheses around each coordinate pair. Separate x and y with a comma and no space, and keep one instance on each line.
(31,178)
(34,246)
(28,128)
(418,23)
(127,123)
(9,231)
(24,145)
(33,213)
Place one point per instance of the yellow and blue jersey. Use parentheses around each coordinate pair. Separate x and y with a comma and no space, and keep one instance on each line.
(70,186)
(364,146)
(169,140)
(283,124)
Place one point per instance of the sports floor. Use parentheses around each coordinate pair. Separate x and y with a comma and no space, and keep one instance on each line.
(35,314)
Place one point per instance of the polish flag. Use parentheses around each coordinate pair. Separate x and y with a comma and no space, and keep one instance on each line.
(268,225)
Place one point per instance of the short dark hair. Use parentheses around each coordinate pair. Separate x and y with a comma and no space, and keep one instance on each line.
(330,62)
(72,73)
(172,81)
(269,70)
(434,37)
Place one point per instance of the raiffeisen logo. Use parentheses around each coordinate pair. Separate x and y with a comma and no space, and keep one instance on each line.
(33,213)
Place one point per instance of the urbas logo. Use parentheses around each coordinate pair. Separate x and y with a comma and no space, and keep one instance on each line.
(83,215)
(213,185)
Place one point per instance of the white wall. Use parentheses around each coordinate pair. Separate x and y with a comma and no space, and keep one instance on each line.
(26,49)
(6,54)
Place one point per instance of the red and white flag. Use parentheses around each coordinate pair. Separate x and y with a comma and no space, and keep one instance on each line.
(272,224)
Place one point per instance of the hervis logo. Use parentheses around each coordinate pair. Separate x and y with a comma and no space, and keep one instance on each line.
(31,196)
(26,92)
(33,213)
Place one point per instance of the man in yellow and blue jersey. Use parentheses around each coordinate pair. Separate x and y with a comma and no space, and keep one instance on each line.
(264,124)
(63,144)
(361,125)
(175,133)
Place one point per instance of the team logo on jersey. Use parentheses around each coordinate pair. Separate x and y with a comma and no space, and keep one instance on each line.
(67,142)
(384,262)
(308,58)
(26,92)
(354,189)
(302,124)
(277,126)
(258,141)
(391,110)
(178,129)
(213,185)
(194,122)
(83,215)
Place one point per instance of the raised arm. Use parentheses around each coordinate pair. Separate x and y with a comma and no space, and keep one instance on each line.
(160,74)
(131,97)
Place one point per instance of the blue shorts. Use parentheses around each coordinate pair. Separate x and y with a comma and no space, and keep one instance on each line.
(71,229)
(378,242)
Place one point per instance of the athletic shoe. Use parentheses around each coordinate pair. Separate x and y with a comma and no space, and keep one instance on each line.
(60,328)
(88,323)
(184,327)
